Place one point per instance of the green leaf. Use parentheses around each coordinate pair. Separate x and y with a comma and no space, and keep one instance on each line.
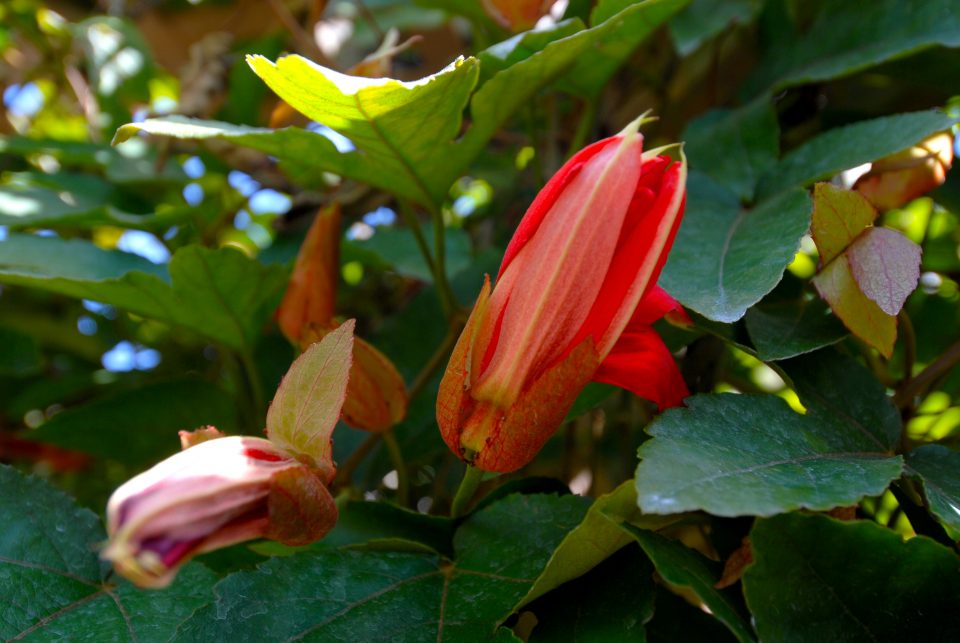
(674,619)
(133,165)
(679,565)
(845,38)
(361,595)
(593,540)
(396,124)
(842,148)
(726,258)
(704,19)
(220,294)
(857,398)
(397,149)
(734,455)
(139,427)
(20,354)
(397,248)
(304,155)
(55,588)
(610,603)
(814,578)
(785,329)
(734,147)
(938,469)
(375,522)
(839,216)
(65,199)
(625,25)
(516,49)
(307,404)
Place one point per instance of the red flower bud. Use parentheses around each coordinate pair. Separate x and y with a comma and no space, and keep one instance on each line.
(217,493)
(574,301)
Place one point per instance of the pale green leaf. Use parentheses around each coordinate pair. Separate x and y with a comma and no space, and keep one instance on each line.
(307,405)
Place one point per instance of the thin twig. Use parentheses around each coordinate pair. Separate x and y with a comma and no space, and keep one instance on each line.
(345,473)
(436,360)
(925,378)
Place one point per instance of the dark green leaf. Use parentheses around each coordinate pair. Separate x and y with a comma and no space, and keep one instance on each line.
(856,399)
(814,578)
(220,294)
(845,147)
(674,619)
(55,588)
(139,426)
(704,19)
(790,328)
(611,603)
(361,595)
(679,565)
(593,540)
(624,25)
(939,471)
(397,248)
(846,37)
(19,353)
(726,258)
(734,455)
(735,147)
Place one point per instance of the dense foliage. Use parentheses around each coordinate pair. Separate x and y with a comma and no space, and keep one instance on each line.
(160,167)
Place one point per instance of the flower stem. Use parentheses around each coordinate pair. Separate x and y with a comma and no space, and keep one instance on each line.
(468,487)
(400,465)
(256,386)
(436,260)
(447,300)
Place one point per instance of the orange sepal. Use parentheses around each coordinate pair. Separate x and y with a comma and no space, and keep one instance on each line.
(454,403)
(896,180)
(506,439)
(312,292)
(300,508)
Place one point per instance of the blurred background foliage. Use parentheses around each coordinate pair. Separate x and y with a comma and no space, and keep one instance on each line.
(92,392)
(106,355)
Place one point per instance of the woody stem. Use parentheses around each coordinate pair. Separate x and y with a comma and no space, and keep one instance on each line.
(468,488)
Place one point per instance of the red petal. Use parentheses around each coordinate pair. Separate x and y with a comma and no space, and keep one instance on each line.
(641,363)
(547,197)
(637,262)
(655,305)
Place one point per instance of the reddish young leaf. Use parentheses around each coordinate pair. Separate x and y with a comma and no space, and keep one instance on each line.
(886,266)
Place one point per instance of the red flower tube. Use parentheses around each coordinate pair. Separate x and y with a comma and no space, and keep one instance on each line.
(573,301)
